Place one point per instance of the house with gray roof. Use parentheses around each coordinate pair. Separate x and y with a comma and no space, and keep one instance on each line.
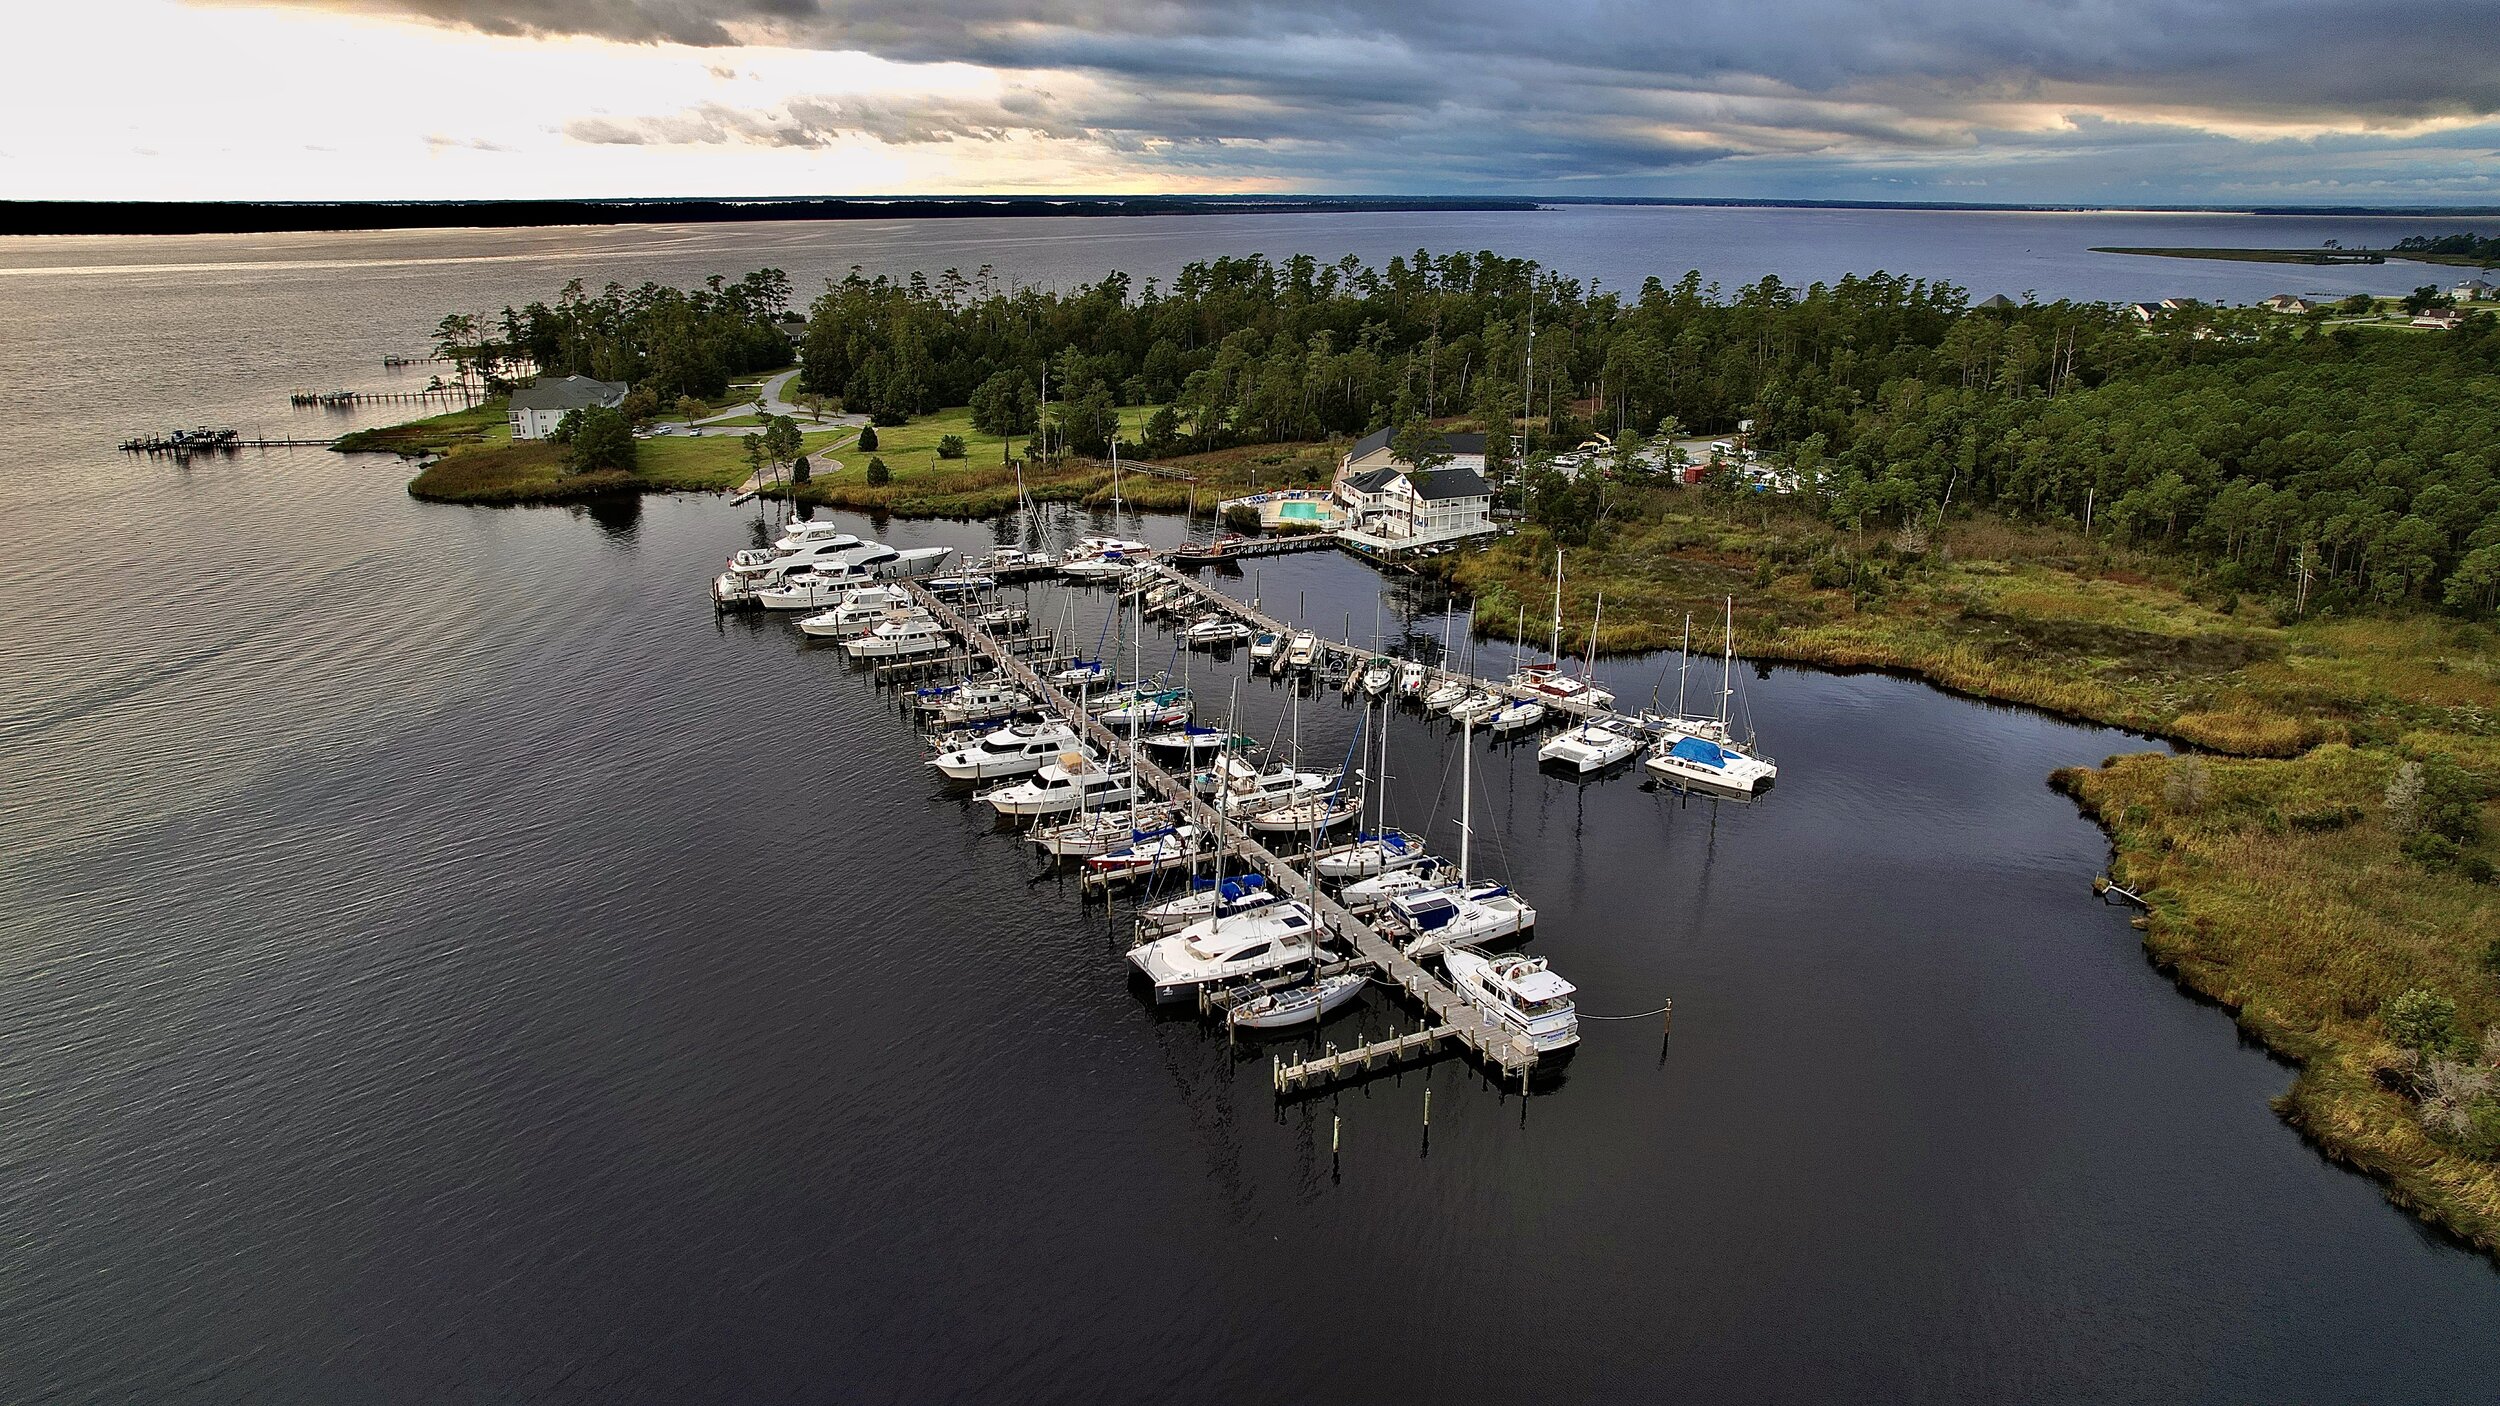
(537,406)
(1387,499)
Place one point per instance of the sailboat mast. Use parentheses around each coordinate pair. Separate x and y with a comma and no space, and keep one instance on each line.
(1589,670)
(1380,822)
(1466,795)
(1555,649)
(1683,665)
(1727,666)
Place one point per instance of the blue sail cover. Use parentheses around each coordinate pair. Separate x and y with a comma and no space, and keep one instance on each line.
(1695,749)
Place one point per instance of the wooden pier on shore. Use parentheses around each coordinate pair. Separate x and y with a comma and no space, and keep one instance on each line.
(1457,1022)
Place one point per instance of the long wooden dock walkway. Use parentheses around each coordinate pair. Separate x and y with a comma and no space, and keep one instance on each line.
(1504,1049)
(1354,655)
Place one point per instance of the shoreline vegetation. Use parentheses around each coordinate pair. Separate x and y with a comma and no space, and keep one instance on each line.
(2272,541)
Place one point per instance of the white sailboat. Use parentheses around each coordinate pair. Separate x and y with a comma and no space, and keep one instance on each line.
(1547,680)
(1380,849)
(1703,754)
(1433,920)
(1296,1004)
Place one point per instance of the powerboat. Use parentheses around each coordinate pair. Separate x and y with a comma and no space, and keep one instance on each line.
(1548,681)
(1588,746)
(1303,650)
(1411,676)
(1159,708)
(900,637)
(1378,674)
(1521,992)
(815,588)
(857,613)
(1013,559)
(1221,948)
(981,703)
(1105,558)
(911,563)
(1265,646)
(1216,630)
(1011,751)
(1295,1004)
(961,584)
(1063,784)
(1373,852)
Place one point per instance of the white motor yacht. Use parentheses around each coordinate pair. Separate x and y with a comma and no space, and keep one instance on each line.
(1061,785)
(1011,751)
(1302,651)
(1215,630)
(815,588)
(949,587)
(1265,646)
(1268,938)
(1588,746)
(1519,991)
(911,563)
(1411,676)
(857,613)
(900,637)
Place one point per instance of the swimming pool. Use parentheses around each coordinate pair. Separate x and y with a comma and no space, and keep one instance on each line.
(1300,512)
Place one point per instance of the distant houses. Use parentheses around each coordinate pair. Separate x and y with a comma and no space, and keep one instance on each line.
(1386,498)
(1997,302)
(538,406)
(2289,303)
(2440,319)
(2472,290)
(2145,312)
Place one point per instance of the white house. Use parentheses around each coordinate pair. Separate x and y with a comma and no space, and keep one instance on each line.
(1385,498)
(537,406)
(2472,290)
(2289,302)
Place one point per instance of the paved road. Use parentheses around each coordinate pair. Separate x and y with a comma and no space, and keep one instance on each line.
(775,403)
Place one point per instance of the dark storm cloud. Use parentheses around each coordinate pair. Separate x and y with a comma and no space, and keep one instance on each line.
(1577,88)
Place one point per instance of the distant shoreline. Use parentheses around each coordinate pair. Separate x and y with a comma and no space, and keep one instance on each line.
(2325,257)
(57,217)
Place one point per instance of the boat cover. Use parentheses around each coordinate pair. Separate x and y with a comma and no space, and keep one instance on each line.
(1699,750)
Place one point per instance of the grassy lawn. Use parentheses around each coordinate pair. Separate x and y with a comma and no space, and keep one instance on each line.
(977,485)
(534,472)
(484,423)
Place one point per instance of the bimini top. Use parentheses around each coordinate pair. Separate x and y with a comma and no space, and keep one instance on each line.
(1699,750)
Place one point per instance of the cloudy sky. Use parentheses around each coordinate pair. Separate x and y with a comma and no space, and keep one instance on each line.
(2118,101)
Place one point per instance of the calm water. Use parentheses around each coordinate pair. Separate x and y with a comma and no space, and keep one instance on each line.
(443,961)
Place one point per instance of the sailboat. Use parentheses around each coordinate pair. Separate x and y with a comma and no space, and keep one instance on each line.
(1703,754)
(1437,918)
(1547,679)
(1379,849)
(1292,1005)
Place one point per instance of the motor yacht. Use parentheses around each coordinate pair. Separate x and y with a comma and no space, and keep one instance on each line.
(1521,992)
(988,701)
(900,637)
(1011,751)
(857,613)
(1215,630)
(1411,675)
(1062,784)
(1264,647)
(1302,651)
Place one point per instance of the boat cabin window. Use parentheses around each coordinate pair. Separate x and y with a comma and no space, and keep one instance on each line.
(1292,920)
(1248,953)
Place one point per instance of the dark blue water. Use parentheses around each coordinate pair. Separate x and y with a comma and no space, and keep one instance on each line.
(444,961)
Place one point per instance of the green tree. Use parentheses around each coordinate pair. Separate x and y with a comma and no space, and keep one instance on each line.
(950,446)
(1087,425)
(867,438)
(1422,447)
(689,408)
(2421,1020)
(1162,432)
(602,441)
(800,472)
(878,474)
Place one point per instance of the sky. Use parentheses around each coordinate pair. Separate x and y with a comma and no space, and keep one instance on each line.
(2210,102)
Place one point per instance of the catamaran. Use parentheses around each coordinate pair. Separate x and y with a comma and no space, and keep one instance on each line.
(1011,751)
(1703,754)
(1224,947)
(1591,745)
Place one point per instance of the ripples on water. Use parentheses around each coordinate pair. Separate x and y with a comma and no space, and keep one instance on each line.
(439,959)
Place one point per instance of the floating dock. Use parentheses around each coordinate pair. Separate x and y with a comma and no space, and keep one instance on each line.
(1457,1022)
